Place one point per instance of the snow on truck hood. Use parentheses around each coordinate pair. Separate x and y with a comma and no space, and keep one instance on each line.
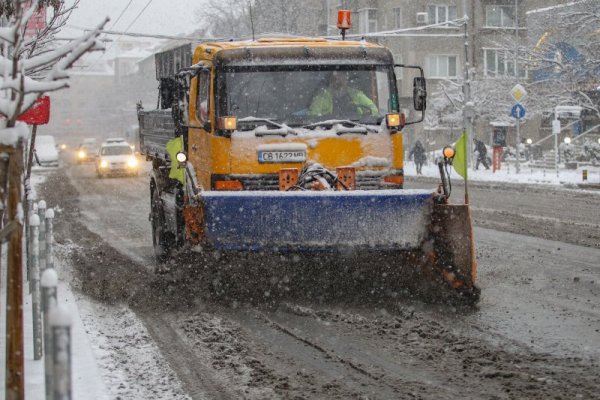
(371,150)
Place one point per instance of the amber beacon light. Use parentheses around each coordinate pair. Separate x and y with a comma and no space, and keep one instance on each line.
(344,21)
(228,123)
(449,152)
(395,122)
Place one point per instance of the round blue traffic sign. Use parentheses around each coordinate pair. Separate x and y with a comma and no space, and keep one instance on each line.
(517,111)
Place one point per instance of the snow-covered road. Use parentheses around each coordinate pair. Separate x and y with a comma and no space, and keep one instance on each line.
(535,333)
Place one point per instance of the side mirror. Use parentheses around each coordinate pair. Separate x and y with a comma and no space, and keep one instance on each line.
(419,93)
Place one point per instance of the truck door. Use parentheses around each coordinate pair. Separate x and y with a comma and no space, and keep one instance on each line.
(201,125)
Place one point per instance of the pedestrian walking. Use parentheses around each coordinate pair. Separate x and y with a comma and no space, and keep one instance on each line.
(481,151)
(418,154)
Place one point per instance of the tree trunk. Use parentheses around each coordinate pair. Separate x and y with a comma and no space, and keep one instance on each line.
(15,382)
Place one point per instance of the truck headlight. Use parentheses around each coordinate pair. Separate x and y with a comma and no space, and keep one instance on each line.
(132,162)
(103,164)
(81,154)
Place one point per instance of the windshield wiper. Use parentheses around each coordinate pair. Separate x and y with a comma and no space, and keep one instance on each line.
(340,126)
(280,129)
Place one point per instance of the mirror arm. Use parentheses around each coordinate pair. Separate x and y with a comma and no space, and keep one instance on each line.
(423,77)
(412,67)
(192,70)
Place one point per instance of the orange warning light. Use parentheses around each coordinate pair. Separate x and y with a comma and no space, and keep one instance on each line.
(344,19)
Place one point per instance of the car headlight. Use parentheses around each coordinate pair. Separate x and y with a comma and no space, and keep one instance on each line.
(132,162)
(81,154)
(103,164)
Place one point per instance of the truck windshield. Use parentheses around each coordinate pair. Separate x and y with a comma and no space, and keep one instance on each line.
(299,96)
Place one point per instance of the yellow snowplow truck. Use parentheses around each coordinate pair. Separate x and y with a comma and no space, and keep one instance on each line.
(295,146)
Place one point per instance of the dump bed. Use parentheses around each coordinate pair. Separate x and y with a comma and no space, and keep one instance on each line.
(156,129)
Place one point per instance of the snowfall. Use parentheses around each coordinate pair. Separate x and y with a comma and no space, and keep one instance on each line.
(99,334)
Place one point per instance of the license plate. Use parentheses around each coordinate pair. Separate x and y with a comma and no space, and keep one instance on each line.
(280,156)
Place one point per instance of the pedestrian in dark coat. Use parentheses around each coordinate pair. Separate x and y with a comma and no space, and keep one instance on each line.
(481,151)
(418,154)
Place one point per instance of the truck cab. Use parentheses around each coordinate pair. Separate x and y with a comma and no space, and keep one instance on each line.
(251,109)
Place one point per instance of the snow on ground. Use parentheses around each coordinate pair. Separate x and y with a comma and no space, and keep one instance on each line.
(86,378)
(130,363)
(113,355)
(34,181)
(508,174)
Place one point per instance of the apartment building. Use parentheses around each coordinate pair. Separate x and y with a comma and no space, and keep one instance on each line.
(431,34)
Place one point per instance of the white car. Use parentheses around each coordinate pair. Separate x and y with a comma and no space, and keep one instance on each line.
(46,151)
(116,159)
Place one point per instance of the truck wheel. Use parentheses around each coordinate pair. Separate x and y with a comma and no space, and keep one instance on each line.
(162,240)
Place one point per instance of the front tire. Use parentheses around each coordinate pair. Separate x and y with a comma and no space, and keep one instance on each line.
(162,240)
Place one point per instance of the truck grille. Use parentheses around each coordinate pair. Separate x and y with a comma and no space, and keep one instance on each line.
(371,180)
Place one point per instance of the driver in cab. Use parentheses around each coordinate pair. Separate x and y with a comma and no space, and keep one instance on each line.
(341,100)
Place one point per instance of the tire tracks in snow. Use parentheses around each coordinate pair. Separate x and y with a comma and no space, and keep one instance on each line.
(192,371)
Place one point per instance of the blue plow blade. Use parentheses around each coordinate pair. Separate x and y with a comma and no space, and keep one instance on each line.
(310,221)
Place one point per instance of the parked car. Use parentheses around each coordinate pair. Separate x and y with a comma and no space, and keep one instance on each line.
(116,158)
(46,151)
(87,151)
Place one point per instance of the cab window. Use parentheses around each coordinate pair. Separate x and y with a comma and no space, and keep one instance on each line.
(203,97)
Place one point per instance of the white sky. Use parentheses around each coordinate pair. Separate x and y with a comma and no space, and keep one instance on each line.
(166,17)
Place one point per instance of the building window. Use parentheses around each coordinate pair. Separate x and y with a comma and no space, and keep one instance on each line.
(439,14)
(397,16)
(500,16)
(501,62)
(367,20)
(441,66)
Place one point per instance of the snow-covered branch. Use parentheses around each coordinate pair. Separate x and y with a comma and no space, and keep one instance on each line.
(19,88)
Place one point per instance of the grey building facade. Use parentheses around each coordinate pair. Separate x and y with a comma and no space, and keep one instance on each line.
(431,34)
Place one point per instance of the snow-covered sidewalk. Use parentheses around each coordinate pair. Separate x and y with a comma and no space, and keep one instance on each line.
(86,378)
(508,174)
(87,382)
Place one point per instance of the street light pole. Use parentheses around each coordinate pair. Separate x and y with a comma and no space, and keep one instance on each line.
(518,138)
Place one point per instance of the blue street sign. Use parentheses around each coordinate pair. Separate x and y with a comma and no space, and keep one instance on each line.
(517,111)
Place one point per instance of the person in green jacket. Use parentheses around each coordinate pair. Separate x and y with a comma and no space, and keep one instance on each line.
(340,100)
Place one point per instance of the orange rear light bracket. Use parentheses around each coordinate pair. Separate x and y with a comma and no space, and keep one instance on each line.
(288,178)
(346,178)
(228,185)
(394,179)
(193,217)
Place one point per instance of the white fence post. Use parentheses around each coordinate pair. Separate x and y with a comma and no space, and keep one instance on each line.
(49,292)
(36,311)
(60,323)
(34,210)
(29,206)
(42,215)
(49,237)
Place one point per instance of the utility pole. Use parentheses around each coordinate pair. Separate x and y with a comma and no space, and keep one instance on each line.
(518,136)
(468,106)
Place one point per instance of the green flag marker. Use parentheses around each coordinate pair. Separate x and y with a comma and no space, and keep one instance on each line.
(174,146)
(460,158)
